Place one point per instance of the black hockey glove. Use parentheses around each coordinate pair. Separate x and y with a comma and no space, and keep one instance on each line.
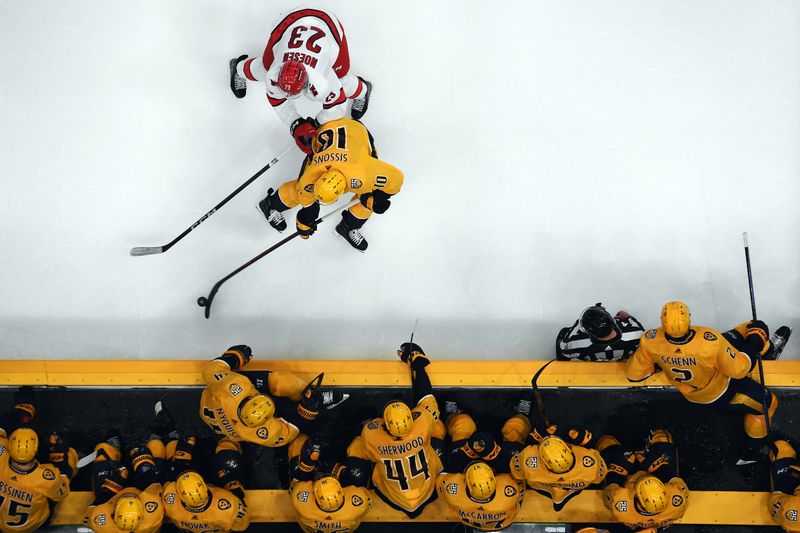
(142,460)
(25,404)
(59,454)
(483,445)
(306,221)
(237,356)
(308,461)
(756,338)
(376,201)
(183,457)
(146,469)
(412,354)
(539,431)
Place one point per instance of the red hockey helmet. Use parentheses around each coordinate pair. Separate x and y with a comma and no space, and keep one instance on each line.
(292,78)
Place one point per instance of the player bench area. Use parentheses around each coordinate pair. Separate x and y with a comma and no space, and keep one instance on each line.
(597,395)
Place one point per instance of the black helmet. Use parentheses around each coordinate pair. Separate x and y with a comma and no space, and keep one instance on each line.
(597,322)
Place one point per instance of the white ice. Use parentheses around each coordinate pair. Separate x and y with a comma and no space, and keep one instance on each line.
(557,154)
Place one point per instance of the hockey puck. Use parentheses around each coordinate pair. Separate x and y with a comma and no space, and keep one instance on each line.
(202,302)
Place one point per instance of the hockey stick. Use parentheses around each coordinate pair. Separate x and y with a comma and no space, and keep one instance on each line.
(538,395)
(765,397)
(83,461)
(150,250)
(407,352)
(207,301)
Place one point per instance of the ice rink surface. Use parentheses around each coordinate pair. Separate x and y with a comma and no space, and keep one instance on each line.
(556,154)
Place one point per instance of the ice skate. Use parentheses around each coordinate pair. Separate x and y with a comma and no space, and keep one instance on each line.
(273,216)
(238,83)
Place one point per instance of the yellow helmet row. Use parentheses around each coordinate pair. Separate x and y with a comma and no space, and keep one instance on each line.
(556,454)
(480,481)
(192,490)
(23,445)
(676,319)
(398,419)
(128,512)
(256,410)
(328,493)
(651,495)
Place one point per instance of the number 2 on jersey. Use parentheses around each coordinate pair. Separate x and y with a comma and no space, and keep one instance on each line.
(417,466)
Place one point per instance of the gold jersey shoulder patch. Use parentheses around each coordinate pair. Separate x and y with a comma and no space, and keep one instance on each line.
(651,333)
(709,336)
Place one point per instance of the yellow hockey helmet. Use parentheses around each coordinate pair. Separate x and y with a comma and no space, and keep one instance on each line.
(329,187)
(556,454)
(651,495)
(192,490)
(128,512)
(256,410)
(676,318)
(328,494)
(23,445)
(480,481)
(397,419)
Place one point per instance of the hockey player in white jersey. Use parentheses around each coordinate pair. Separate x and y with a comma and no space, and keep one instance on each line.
(306,56)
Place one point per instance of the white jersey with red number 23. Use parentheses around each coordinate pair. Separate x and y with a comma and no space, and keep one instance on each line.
(315,38)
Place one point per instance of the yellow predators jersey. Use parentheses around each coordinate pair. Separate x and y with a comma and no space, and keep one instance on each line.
(224,512)
(405,469)
(345,145)
(621,501)
(785,510)
(493,515)
(224,392)
(700,367)
(24,496)
(101,518)
(312,519)
(589,468)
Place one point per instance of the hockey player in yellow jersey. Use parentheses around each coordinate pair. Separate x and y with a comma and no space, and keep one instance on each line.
(235,408)
(708,367)
(405,444)
(643,490)
(194,506)
(344,160)
(481,499)
(784,502)
(28,488)
(335,502)
(556,463)
(476,483)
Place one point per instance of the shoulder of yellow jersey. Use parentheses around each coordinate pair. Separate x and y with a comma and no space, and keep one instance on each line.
(707,334)
(358,497)
(170,494)
(373,426)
